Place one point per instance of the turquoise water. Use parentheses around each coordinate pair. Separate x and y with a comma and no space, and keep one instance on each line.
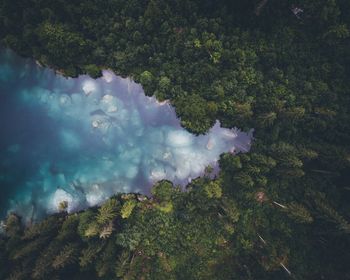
(81,140)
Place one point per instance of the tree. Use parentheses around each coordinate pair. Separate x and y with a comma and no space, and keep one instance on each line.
(92,70)
(85,219)
(192,110)
(67,256)
(213,189)
(63,205)
(163,190)
(127,208)
(299,213)
(63,46)
(13,225)
(146,78)
(164,84)
(108,211)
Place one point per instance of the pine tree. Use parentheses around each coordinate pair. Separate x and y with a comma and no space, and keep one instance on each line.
(127,208)
(108,211)
(68,255)
(29,249)
(298,213)
(89,255)
(13,225)
(328,212)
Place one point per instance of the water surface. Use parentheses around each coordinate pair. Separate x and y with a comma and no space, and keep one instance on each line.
(81,140)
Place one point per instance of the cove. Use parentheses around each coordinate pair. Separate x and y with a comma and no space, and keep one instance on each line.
(81,140)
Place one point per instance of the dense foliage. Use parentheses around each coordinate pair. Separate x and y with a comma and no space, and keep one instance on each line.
(280,211)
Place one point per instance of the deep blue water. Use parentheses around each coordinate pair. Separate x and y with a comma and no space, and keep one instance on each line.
(82,140)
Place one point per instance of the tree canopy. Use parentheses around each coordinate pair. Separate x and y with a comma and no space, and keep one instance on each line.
(280,211)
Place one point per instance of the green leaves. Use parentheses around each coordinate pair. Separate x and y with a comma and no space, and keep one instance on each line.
(163,190)
(127,208)
(62,45)
(146,78)
(193,111)
(100,224)
(92,70)
(85,219)
(13,225)
(299,213)
(213,189)
(284,76)
(108,211)
(68,255)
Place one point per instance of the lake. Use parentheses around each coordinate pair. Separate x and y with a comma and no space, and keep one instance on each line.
(81,140)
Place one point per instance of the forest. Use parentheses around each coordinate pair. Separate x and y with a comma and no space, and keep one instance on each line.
(280,211)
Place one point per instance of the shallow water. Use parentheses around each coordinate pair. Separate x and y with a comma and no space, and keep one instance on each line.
(81,140)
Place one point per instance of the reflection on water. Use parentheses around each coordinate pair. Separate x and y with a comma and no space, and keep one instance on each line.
(81,140)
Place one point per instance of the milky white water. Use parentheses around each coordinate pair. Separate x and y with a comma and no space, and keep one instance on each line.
(82,140)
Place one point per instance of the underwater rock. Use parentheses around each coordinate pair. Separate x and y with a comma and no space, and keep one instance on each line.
(80,140)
